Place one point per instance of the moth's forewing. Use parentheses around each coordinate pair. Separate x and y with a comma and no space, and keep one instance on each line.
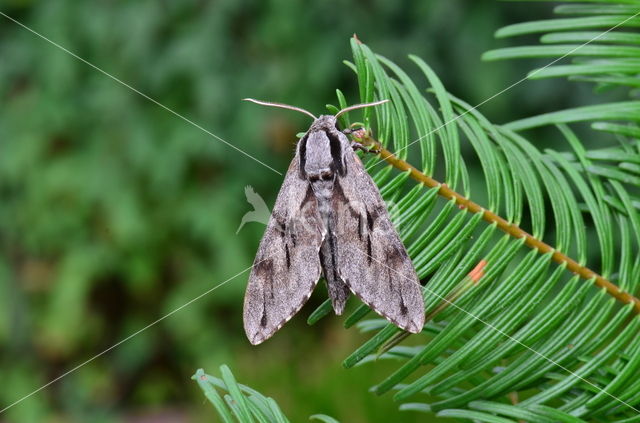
(287,265)
(371,258)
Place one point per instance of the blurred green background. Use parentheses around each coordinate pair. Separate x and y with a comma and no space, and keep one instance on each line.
(114,212)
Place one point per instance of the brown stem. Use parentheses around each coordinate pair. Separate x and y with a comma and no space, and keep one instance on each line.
(507,227)
(513,397)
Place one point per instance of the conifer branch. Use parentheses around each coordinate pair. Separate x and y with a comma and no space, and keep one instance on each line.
(511,229)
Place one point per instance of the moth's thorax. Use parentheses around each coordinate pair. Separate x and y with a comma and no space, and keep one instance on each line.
(317,155)
(321,150)
(321,156)
(319,164)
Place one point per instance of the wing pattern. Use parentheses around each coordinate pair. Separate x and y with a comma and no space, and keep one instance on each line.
(371,258)
(287,266)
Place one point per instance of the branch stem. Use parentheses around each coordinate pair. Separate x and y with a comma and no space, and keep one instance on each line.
(507,227)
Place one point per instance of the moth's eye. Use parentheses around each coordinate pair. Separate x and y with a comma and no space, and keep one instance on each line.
(313,178)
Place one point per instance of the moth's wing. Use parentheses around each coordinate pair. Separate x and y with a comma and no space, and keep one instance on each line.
(371,258)
(287,265)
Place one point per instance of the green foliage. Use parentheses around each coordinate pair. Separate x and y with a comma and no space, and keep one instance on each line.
(243,404)
(114,212)
(529,329)
(609,57)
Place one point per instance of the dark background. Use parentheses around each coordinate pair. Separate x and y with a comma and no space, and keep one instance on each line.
(114,212)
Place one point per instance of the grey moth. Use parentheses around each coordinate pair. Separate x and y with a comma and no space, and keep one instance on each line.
(329,219)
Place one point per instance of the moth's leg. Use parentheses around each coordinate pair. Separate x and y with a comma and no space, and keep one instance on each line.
(349,131)
(358,146)
(355,144)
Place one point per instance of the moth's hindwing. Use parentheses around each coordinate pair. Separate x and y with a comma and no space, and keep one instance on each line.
(287,265)
(371,258)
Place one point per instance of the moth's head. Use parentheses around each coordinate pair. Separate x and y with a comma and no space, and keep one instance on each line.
(325,122)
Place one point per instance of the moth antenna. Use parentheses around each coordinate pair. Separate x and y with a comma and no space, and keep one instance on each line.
(283,106)
(359,106)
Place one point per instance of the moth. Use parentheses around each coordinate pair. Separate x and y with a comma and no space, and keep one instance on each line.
(329,219)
